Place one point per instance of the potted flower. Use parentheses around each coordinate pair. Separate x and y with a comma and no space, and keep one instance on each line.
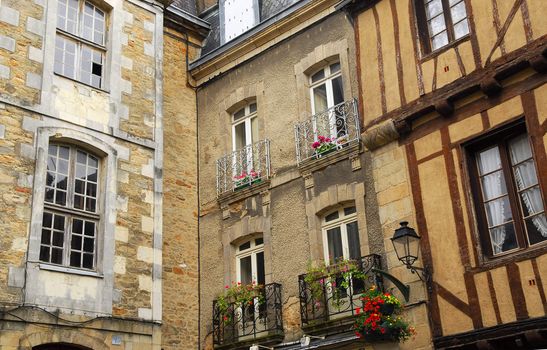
(379,319)
(246,179)
(324,145)
(239,296)
(336,278)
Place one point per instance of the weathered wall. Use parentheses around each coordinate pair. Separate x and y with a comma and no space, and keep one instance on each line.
(180,220)
(123,123)
(287,210)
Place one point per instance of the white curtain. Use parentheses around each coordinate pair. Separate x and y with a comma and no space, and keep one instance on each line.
(525,176)
(493,185)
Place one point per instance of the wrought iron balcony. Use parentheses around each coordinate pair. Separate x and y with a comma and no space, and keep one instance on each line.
(261,318)
(328,131)
(325,298)
(244,168)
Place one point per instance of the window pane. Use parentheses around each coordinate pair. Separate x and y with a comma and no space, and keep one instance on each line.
(353,240)
(260,273)
(489,160)
(439,41)
(520,150)
(525,174)
(332,216)
(318,76)
(503,238)
(436,25)
(349,210)
(245,245)
(240,136)
(531,201)
(334,241)
(245,270)
(498,211)
(337,90)
(536,227)
(320,98)
(461,29)
(458,12)
(254,130)
(493,185)
(433,8)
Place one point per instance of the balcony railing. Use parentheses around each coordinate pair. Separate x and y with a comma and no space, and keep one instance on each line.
(331,301)
(239,323)
(243,168)
(338,124)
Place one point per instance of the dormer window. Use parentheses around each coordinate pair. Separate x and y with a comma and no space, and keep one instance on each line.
(238,16)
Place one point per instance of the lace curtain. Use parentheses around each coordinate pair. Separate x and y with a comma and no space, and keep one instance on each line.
(527,182)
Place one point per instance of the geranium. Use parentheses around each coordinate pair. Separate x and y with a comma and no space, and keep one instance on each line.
(239,296)
(324,144)
(380,319)
(246,178)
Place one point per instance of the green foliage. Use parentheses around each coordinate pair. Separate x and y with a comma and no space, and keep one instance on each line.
(239,296)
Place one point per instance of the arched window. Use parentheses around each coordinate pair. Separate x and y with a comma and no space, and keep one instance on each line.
(341,235)
(72,209)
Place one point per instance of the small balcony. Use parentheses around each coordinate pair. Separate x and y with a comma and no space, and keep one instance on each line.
(244,168)
(260,321)
(326,132)
(327,302)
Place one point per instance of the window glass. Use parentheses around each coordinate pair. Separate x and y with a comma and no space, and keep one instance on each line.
(512,202)
(72,181)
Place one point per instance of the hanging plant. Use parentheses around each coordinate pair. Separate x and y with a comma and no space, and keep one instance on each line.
(239,296)
(379,319)
(335,278)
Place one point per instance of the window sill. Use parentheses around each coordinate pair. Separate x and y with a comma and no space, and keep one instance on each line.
(445,48)
(96,89)
(489,263)
(69,270)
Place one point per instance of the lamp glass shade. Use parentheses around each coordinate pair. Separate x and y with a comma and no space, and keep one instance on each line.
(406,243)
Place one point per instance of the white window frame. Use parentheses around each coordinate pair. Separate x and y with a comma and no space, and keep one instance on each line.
(327,81)
(247,119)
(341,222)
(252,251)
(70,213)
(82,43)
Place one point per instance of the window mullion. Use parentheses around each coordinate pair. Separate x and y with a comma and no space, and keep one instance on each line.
(447,13)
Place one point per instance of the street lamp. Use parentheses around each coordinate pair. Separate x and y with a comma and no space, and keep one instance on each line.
(406,243)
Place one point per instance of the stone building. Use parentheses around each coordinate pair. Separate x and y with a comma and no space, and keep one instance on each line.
(271,83)
(89,244)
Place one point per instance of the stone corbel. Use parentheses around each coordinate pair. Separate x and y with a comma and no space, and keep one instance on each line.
(308,180)
(381,134)
(355,161)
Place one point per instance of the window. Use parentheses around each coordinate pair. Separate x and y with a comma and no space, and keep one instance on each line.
(239,16)
(441,22)
(250,262)
(341,235)
(508,197)
(326,91)
(80,42)
(71,208)
(245,127)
